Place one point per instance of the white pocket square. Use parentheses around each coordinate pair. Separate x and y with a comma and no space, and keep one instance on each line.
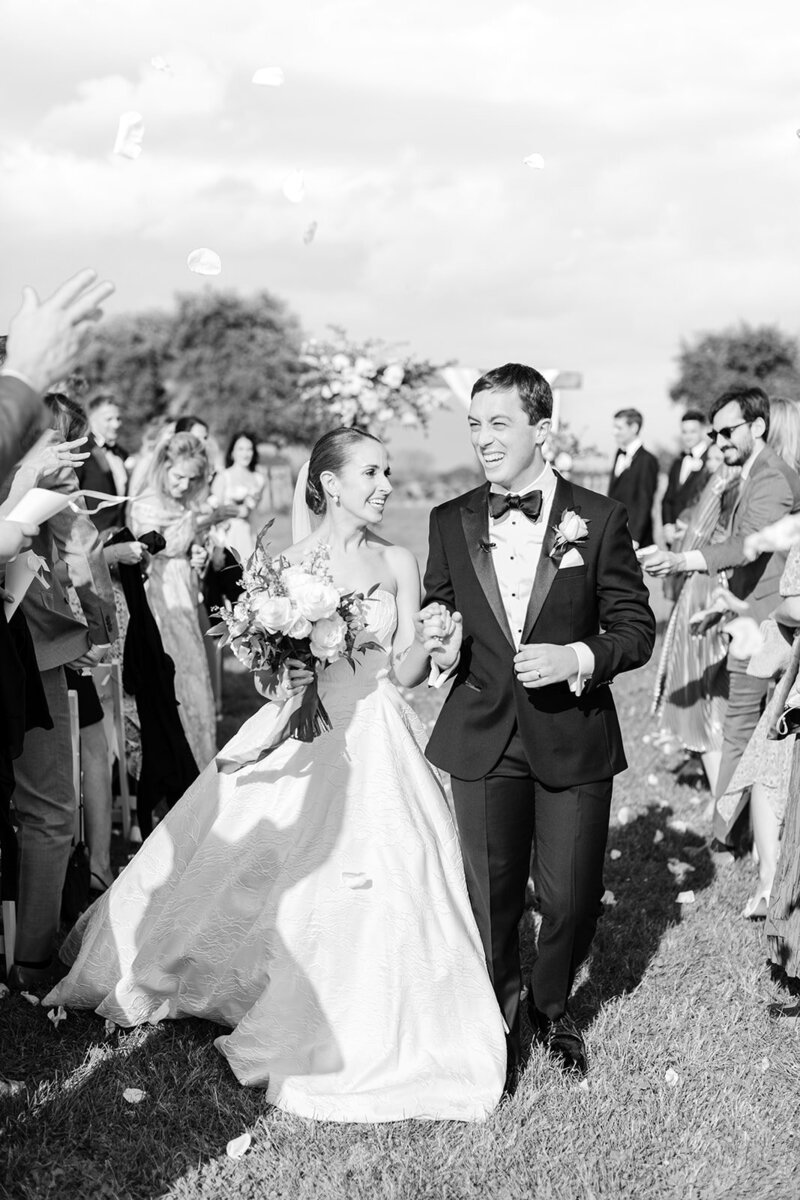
(572,558)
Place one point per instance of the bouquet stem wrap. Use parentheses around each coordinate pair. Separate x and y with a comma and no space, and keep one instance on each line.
(310,719)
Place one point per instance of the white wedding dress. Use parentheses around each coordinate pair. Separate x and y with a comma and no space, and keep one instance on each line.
(315,903)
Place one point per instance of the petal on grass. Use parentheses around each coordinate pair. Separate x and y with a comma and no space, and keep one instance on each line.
(204,261)
(615,854)
(677,825)
(269,77)
(238,1147)
(684,898)
(609,899)
(658,836)
(29,996)
(294,187)
(672,1078)
(625,815)
(133,1095)
(130,133)
(110,1027)
(57,1015)
(161,1013)
(652,780)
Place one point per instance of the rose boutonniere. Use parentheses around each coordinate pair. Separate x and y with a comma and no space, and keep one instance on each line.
(695,464)
(570,531)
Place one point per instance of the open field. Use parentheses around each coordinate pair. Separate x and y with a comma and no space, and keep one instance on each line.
(678,988)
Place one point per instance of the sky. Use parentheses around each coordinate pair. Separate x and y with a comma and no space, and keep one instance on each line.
(667,205)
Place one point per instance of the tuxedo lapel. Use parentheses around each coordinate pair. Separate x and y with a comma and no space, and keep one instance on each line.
(547,568)
(475,520)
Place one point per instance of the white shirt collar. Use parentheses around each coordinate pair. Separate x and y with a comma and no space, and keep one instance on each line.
(632,447)
(545,481)
(699,450)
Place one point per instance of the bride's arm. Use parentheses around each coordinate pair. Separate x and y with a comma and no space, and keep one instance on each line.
(416,643)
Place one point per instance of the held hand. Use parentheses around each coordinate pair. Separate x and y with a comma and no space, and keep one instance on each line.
(46,337)
(540,664)
(14,537)
(440,633)
(294,677)
(93,657)
(664,562)
(780,536)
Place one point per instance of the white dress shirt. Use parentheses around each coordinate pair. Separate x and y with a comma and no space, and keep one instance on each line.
(516,549)
(690,460)
(115,465)
(623,459)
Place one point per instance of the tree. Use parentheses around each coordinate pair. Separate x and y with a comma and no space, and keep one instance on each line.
(743,354)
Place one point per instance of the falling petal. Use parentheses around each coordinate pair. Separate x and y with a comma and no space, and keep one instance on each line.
(110,1027)
(133,1095)
(652,780)
(310,233)
(161,1013)
(11,1087)
(615,854)
(130,133)
(57,1015)
(356,880)
(671,1078)
(583,1086)
(534,160)
(678,868)
(658,836)
(294,187)
(625,815)
(677,825)
(238,1147)
(269,77)
(159,63)
(30,997)
(685,898)
(609,899)
(646,739)
(203,262)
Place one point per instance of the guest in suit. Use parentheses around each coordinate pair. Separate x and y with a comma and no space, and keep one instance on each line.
(104,469)
(44,801)
(634,476)
(768,490)
(688,474)
(553,606)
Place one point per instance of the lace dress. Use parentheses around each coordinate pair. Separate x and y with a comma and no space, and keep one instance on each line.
(172,591)
(315,903)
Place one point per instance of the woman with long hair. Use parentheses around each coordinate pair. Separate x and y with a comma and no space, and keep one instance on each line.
(240,483)
(176,478)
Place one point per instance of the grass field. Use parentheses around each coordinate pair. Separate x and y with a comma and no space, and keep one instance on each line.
(694,1061)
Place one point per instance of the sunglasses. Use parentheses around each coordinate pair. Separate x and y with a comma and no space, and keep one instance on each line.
(726,431)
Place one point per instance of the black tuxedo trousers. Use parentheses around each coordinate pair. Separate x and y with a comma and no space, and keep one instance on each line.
(501,818)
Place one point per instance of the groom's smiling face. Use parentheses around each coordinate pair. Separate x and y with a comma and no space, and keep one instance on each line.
(507,446)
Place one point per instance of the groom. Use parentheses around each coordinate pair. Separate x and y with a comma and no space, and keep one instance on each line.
(553,607)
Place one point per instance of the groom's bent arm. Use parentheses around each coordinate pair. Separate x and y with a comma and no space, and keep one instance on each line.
(437,588)
(625,616)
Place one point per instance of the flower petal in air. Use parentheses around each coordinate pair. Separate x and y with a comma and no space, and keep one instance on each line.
(204,261)
(294,187)
(130,133)
(615,854)
(535,161)
(625,815)
(269,77)
(310,233)
(671,1078)
(159,63)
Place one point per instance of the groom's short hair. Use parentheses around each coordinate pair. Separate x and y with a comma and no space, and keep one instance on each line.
(531,387)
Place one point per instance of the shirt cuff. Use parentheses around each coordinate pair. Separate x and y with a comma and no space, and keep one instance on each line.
(585,667)
(695,561)
(18,375)
(437,677)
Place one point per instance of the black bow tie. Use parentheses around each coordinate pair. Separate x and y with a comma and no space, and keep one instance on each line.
(530,505)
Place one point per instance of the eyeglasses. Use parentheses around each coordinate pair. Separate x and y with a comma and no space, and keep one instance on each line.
(726,431)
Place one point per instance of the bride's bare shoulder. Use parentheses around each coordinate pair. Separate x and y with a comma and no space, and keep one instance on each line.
(298,550)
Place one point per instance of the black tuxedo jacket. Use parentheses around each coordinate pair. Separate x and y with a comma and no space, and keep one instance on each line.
(94,474)
(680,496)
(636,489)
(568,739)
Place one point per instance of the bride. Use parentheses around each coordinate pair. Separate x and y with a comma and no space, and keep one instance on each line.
(314,900)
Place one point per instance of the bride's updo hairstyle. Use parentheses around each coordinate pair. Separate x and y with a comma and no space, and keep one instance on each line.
(330,453)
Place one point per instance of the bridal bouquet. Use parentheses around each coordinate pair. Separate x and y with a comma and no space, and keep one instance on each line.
(293,611)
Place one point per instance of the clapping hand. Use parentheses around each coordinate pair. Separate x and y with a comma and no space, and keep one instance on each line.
(440,633)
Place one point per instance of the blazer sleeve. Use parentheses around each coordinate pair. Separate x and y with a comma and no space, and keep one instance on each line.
(78,546)
(20,409)
(768,498)
(669,507)
(437,584)
(640,511)
(625,615)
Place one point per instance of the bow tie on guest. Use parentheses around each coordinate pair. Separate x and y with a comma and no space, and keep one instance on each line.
(530,505)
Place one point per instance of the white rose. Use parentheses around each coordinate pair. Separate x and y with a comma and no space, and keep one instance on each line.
(364,366)
(275,613)
(393,375)
(572,527)
(299,628)
(328,638)
(315,598)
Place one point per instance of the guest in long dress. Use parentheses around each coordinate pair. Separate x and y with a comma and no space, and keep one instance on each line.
(240,484)
(689,695)
(178,474)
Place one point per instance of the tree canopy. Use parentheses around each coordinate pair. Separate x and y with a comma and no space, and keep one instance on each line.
(710,363)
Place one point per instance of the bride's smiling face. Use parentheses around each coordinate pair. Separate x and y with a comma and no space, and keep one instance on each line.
(362,485)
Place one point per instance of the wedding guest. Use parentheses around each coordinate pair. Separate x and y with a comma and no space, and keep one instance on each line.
(784,430)
(740,420)
(44,800)
(690,688)
(634,476)
(104,470)
(196,426)
(45,338)
(241,484)
(688,474)
(177,475)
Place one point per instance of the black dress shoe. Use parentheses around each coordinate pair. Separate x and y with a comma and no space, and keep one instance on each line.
(513,1069)
(561,1039)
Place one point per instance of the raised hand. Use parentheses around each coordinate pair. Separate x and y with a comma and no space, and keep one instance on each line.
(45,337)
(50,458)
